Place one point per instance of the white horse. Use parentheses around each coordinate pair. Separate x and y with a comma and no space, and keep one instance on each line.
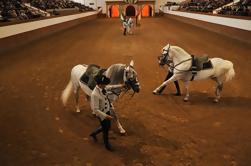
(128,24)
(118,74)
(221,71)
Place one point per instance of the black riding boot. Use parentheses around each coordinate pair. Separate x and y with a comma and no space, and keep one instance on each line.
(106,124)
(124,31)
(176,83)
(94,134)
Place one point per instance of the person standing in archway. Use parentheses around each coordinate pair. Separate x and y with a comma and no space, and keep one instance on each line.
(110,11)
(138,17)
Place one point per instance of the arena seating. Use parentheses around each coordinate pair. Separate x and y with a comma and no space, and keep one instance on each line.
(170,3)
(206,6)
(14,10)
(241,8)
(58,4)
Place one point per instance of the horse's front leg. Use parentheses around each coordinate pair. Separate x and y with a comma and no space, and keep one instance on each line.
(218,90)
(116,118)
(186,98)
(157,91)
(128,30)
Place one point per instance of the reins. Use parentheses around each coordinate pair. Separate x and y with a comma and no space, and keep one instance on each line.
(175,66)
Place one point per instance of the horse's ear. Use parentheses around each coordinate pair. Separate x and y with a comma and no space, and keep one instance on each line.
(132,63)
(166,47)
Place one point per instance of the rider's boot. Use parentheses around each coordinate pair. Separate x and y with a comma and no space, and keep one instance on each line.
(178,93)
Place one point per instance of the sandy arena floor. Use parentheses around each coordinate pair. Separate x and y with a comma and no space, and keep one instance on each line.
(161,130)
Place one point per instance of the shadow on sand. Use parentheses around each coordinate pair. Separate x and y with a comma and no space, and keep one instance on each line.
(199,98)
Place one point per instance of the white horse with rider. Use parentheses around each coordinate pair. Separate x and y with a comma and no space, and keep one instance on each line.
(123,78)
(186,67)
(128,24)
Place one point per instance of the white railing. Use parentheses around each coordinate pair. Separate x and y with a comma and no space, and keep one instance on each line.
(231,22)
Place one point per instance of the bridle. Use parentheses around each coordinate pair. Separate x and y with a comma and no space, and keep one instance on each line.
(169,63)
(129,82)
(165,60)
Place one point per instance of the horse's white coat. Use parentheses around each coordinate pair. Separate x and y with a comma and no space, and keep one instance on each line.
(129,25)
(222,70)
(112,72)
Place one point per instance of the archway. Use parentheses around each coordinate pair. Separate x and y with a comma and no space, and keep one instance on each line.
(146,11)
(114,11)
(130,11)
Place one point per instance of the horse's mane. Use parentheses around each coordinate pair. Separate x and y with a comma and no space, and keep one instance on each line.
(116,73)
(180,51)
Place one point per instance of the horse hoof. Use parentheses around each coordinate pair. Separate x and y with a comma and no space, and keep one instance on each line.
(185,99)
(78,110)
(123,133)
(177,94)
(155,92)
(216,100)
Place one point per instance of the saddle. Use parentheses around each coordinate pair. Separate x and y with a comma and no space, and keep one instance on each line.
(88,77)
(200,63)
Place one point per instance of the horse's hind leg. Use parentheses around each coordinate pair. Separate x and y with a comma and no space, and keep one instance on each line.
(76,93)
(187,91)
(218,89)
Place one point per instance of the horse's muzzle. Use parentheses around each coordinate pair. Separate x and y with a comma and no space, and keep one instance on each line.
(161,61)
(134,85)
(136,89)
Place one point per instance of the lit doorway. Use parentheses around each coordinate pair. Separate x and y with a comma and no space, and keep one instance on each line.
(130,11)
(114,11)
(146,11)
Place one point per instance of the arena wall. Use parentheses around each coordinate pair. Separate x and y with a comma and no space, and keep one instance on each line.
(234,28)
(14,36)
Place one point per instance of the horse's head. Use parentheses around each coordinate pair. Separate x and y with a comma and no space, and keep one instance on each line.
(130,77)
(164,57)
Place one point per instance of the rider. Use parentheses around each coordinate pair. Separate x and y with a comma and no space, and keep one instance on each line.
(125,24)
(176,83)
(102,108)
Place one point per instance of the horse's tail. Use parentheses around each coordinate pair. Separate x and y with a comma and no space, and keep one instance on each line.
(66,93)
(230,73)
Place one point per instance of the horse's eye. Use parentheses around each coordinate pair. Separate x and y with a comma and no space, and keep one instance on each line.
(130,75)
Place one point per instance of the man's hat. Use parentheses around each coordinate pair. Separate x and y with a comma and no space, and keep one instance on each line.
(101,79)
